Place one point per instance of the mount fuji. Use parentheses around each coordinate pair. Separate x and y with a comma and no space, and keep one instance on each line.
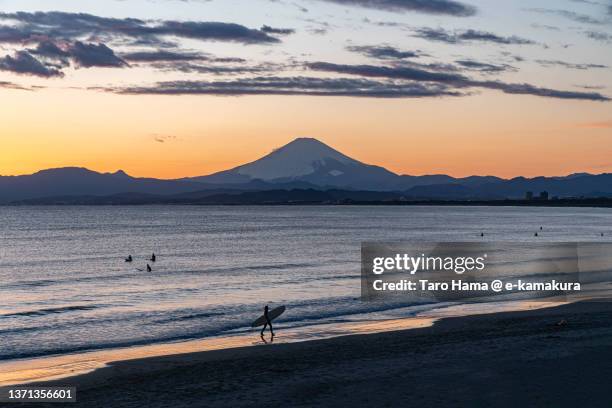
(311,161)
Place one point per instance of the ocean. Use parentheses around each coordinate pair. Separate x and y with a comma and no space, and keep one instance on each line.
(65,286)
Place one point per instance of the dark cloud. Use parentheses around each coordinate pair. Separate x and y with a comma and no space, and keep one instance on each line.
(443,7)
(12,85)
(10,34)
(317,31)
(457,37)
(64,38)
(484,67)
(403,72)
(162,55)
(342,87)
(188,67)
(386,23)
(545,27)
(571,15)
(281,31)
(317,27)
(433,34)
(452,80)
(227,59)
(94,55)
(156,56)
(555,63)
(50,50)
(51,54)
(349,87)
(527,89)
(383,52)
(212,31)
(474,35)
(200,63)
(592,3)
(300,7)
(48,42)
(77,26)
(82,55)
(22,62)
(599,36)
(591,87)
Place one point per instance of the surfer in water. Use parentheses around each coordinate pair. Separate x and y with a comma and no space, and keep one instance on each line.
(129,258)
(149,268)
(268,322)
(153,257)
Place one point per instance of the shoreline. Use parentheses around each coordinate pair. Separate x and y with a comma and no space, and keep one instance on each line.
(67,366)
(495,360)
(604,202)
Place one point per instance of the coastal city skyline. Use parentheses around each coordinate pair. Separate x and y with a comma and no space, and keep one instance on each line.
(172,89)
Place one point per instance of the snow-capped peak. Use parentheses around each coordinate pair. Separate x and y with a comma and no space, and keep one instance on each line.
(298,158)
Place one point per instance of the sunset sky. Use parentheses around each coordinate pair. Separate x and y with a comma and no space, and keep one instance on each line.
(171,88)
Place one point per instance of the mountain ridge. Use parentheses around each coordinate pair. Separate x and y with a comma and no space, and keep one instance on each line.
(304,163)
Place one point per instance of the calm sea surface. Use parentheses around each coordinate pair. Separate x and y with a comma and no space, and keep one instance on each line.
(64,286)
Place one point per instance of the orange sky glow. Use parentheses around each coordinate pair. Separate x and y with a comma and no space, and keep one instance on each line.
(516,120)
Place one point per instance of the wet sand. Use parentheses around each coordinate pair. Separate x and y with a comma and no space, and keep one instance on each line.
(513,359)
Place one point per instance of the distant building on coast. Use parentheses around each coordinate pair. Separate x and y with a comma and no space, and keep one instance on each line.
(542,197)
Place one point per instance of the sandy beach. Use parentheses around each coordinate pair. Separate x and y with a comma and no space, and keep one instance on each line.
(497,360)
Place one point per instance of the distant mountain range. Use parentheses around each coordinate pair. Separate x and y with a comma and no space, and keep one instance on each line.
(303,165)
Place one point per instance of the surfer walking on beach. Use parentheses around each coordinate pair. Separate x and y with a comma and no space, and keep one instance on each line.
(268,322)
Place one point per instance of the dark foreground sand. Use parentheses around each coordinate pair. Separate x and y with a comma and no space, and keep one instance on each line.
(518,359)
